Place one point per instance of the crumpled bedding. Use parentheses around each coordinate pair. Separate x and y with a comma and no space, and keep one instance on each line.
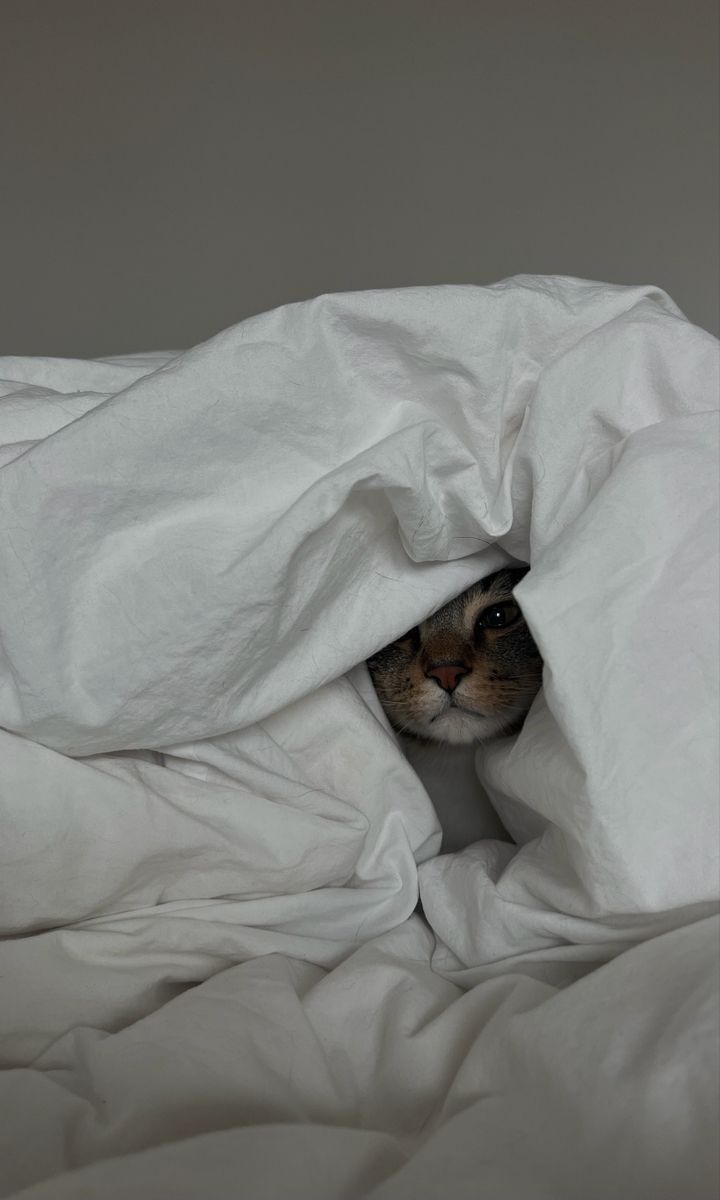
(214,979)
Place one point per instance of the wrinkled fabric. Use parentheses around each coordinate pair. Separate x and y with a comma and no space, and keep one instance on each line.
(213,844)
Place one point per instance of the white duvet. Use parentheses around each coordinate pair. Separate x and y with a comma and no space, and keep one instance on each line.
(213,982)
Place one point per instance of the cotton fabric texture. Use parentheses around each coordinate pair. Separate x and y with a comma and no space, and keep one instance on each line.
(214,981)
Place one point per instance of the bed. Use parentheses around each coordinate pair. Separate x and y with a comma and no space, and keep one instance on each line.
(216,979)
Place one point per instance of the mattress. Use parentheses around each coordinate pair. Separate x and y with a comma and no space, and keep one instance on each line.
(216,979)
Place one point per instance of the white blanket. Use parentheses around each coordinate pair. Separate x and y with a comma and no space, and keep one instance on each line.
(212,844)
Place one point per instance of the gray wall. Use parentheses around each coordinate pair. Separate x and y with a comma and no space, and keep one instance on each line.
(171,166)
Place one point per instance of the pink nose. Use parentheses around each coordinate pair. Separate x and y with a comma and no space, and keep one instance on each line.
(448,675)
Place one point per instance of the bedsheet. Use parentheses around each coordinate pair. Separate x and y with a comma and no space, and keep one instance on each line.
(214,981)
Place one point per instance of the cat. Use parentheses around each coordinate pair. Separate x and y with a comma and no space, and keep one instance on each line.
(467,673)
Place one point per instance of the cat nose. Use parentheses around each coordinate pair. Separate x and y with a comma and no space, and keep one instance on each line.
(447,674)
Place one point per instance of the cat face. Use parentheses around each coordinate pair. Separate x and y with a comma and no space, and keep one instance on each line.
(469,671)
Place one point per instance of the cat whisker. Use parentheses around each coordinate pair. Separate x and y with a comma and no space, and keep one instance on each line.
(481,631)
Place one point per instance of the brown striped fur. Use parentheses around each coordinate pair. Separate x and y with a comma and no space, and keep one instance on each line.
(455,678)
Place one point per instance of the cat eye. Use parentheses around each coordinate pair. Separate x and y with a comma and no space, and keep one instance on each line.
(411,639)
(498,616)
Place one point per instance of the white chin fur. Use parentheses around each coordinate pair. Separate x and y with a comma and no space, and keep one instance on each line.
(459,728)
